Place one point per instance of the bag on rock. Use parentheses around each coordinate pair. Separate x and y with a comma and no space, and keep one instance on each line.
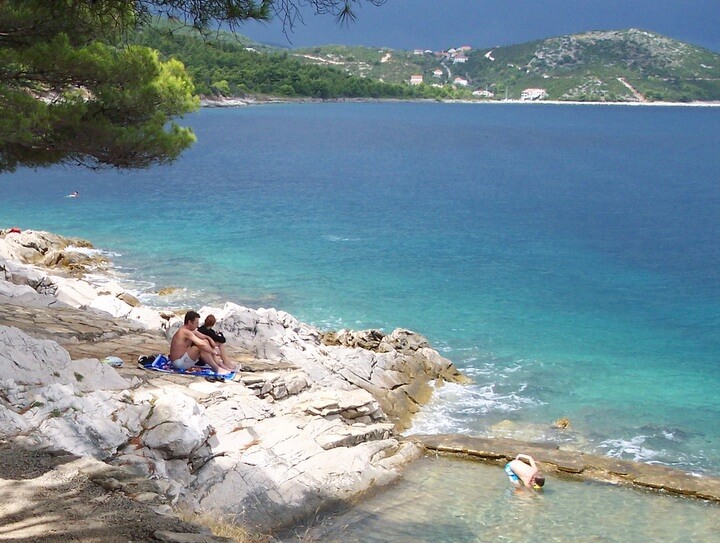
(147,360)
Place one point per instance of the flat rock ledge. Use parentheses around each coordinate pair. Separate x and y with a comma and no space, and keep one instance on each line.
(576,465)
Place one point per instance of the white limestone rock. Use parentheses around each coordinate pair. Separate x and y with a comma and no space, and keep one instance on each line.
(74,292)
(41,361)
(111,305)
(29,360)
(91,374)
(177,426)
(108,287)
(147,317)
(61,419)
(22,274)
(24,295)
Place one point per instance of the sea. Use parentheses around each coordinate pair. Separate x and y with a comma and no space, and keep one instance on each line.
(565,257)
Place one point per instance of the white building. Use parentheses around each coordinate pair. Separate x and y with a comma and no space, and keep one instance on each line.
(483,93)
(459,59)
(533,94)
(416,79)
(437,73)
(460,81)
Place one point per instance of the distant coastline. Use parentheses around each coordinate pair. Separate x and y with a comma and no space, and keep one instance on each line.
(237,101)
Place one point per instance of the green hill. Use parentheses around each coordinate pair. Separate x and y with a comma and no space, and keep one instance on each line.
(626,65)
(224,64)
(615,66)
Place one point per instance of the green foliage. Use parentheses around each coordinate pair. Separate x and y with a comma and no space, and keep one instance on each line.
(69,95)
(228,67)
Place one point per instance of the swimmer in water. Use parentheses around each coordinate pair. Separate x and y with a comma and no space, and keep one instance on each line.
(523,469)
(73,194)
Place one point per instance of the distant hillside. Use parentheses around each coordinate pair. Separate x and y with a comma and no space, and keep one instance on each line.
(225,64)
(627,65)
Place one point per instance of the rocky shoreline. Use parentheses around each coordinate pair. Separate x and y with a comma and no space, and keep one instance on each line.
(314,418)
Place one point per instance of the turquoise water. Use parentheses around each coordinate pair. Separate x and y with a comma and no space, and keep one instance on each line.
(443,500)
(566,257)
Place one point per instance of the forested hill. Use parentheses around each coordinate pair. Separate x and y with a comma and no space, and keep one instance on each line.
(224,64)
(617,66)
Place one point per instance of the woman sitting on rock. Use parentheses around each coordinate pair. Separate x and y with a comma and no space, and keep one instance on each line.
(219,339)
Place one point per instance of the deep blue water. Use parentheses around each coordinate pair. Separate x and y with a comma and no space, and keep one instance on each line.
(566,257)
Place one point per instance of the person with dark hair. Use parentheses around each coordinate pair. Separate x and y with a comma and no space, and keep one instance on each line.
(217,341)
(524,469)
(188,346)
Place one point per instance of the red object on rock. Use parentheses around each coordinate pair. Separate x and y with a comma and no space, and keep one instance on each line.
(14,230)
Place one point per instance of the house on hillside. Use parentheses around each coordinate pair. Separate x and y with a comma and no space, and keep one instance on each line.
(437,72)
(529,95)
(461,82)
(459,59)
(481,93)
(418,52)
(464,48)
(416,79)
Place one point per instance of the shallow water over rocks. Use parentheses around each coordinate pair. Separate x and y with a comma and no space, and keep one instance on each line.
(453,500)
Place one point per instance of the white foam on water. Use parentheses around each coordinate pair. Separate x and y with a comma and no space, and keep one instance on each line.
(456,408)
(633,448)
(334,239)
(87,251)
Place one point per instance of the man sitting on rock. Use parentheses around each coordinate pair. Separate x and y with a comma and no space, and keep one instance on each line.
(188,346)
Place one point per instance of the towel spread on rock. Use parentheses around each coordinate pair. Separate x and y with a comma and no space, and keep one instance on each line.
(162,363)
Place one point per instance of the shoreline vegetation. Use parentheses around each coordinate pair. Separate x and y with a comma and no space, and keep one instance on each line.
(242,101)
(614,66)
(314,419)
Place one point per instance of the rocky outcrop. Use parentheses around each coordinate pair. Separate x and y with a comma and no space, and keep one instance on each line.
(227,448)
(313,425)
(72,255)
(317,425)
(27,360)
(40,269)
(397,368)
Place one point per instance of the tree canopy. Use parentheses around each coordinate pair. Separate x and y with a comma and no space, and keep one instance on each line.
(73,91)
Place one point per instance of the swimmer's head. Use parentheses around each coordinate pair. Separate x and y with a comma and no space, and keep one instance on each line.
(538,481)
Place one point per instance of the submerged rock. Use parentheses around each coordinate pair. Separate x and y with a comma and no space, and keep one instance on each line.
(551,459)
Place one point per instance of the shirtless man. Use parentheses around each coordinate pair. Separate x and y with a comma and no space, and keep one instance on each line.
(188,346)
(527,472)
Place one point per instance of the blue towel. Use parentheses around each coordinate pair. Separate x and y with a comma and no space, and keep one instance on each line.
(162,363)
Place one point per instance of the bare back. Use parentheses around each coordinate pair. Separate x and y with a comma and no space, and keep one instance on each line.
(525,471)
(180,343)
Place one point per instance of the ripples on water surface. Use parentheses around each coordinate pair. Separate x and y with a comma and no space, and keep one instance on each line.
(565,257)
(458,501)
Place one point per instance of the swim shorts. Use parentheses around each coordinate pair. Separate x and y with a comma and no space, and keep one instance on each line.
(514,479)
(184,362)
